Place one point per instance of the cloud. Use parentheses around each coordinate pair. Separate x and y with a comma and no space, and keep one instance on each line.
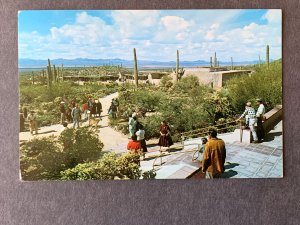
(156,35)
(273,16)
(174,23)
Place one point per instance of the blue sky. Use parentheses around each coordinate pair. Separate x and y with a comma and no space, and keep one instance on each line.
(156,34)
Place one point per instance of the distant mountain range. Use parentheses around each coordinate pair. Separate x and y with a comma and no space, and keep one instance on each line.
(80,62)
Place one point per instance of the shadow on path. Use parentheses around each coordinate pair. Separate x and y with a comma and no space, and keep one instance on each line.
(231,165)
(271,136)
(229,173)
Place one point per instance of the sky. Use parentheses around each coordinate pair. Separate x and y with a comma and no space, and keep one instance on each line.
(156,34)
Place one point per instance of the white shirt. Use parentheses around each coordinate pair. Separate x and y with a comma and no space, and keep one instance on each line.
(261,110)
(140,135)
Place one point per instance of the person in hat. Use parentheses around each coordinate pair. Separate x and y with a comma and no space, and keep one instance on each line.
(260,116)
(33,122)
(250,117)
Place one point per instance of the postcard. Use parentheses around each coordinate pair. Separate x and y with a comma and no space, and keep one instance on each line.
(150,94)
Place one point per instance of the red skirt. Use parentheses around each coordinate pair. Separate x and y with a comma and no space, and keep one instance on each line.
(165,141)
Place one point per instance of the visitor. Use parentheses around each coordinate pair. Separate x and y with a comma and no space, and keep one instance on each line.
(68,114)
(165,139)
(25,112)
(201,149)
(260,117)
(250,117)
(115,101)
(141,137)
(65,126)
(62,111)
(33,122)
(76,116)
(112,110)
(98,108)
(85,110)
(132,123)
(93,110)
(134,146)
(90,106)
(214,155)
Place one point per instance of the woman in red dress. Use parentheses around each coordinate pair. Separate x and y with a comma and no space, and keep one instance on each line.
(165,139)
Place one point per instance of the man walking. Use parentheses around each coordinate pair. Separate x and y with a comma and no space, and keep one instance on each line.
(33,122)
(76,115)
(214,155)
(250,116)
(260,115)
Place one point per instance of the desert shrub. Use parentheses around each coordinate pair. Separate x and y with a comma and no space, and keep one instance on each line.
(110,166)
(187,84)
(166,82)
(41,159)
(265,83)
(44,158)
(80,145)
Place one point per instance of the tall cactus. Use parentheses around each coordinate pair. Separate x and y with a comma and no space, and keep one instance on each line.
(231,63)
(136,78)
(267,56)
(54,74)
(210,62)
(177,66)
(259,61)
(215,60)
(43,76)
(62,72)
(49,74)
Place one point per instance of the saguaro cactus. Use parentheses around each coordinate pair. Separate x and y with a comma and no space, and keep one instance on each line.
(177,66)
(267,56)
(49,73)
(43,76)
(259,61)
(231,63)
(62,72)
(136,78)
(210,62)
(215,60)
(54,74)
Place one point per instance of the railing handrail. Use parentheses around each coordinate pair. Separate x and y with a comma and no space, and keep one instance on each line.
(203,131)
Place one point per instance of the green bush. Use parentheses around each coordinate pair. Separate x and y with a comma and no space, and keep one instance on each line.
(44,158)
(110,166)
(265,83)
(80,145)
(41,159)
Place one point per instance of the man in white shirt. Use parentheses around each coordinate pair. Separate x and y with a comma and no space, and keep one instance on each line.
(250,116)
(259,115)
(141,137)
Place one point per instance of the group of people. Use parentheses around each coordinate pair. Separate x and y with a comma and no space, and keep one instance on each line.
(137,141)
(213,148)
(73,113)
(254,120)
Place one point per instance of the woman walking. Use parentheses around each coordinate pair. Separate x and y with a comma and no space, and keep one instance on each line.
(165,139)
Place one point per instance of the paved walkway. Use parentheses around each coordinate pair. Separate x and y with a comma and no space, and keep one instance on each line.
(262,160)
